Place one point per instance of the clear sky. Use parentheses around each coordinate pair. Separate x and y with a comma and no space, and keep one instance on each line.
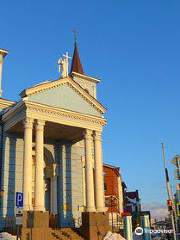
(134,47)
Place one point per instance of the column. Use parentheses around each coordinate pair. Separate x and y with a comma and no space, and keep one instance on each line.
(1,64)
(127,219)
(99,181)
(39,167)
(27,165)
(145,225)
(54,195)
(90,207)
(51,196)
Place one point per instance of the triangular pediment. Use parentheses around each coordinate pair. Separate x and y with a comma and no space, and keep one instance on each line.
(65,94)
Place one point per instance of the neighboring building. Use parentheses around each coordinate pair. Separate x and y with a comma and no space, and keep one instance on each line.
(47,138)
(132,202)
(113,192)
(132,205)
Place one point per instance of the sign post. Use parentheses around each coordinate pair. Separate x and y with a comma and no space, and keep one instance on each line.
(19,211)
(178,209)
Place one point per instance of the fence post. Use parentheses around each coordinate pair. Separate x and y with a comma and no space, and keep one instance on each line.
(145,224)
(127,218)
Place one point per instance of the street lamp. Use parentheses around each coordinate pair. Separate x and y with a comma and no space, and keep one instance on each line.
(112,203)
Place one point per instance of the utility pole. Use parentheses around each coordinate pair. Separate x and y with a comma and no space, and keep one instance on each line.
(175,214)
(168,189)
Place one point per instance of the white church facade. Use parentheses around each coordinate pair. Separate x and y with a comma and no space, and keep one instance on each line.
(51,148)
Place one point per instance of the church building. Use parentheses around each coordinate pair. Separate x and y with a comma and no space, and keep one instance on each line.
(51,147)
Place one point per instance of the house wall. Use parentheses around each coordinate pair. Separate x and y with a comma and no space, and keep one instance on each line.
(12,168)
(111,181)
(70,197)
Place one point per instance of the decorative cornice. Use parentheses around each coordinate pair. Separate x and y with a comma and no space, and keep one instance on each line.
(46,113)
(4,103)
(13,111)
(65,114)
(85,77)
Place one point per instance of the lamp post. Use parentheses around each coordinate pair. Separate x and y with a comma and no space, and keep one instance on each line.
(112,203)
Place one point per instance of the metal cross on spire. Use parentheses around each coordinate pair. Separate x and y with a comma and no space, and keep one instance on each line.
(75,35)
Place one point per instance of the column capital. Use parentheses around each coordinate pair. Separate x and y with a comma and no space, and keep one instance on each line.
(28,122)
(40,125)
(87,134)
(97,136)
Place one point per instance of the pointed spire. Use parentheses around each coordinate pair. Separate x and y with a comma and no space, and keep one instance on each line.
(76,62)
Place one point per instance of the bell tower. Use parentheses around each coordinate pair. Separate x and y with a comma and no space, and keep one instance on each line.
(77,73)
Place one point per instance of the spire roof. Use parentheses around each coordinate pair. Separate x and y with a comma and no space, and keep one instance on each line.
(76,65)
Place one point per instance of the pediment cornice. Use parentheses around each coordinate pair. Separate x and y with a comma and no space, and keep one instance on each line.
(66,81)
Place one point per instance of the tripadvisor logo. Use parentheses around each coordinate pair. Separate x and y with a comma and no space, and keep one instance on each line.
(138,231)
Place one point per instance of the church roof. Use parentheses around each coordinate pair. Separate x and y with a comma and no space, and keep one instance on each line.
(76,62)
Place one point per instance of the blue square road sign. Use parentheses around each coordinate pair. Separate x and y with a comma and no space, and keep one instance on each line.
(19,199)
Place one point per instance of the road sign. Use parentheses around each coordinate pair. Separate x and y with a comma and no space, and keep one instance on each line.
(176,161)
(19,199)
(170,205)
(169,202)
(19,211)
(178,209)
(177,174)
(19,220)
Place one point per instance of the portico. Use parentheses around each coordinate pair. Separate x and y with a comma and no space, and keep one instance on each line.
(38,122)
(39,169)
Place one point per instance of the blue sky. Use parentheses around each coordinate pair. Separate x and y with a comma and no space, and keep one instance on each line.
(133,46)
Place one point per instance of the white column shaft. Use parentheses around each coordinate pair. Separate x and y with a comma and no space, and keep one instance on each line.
(54,183)
(90,206)
(27,166)
(39,167)
(1,64)
(51,198)
(99,181)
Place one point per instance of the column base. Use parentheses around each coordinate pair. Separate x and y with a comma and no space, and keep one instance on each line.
(35,225)
(94,225)
(35,219)
(39,209)
(101,209)
(27,208)
(90,209)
